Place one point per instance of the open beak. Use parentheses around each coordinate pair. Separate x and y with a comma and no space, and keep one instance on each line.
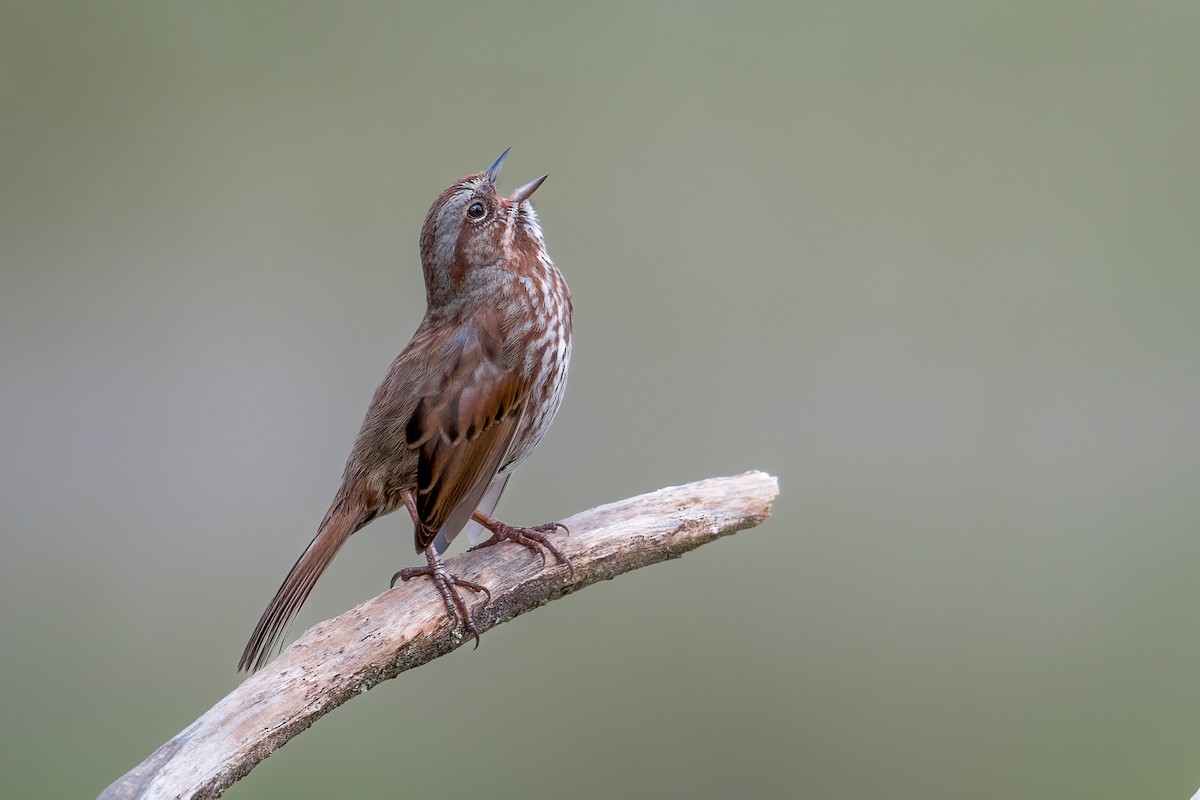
(522,194)
(493,171)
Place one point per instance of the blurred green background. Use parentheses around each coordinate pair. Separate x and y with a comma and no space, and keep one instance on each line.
(934,264)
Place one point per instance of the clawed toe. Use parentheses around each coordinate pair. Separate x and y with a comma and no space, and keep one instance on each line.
(535,538)
(472,585)
(447,583)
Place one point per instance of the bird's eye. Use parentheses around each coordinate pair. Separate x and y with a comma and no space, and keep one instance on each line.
(476,211)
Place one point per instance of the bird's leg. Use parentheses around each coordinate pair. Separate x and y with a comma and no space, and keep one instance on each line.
(445,580)
(446,583)
(535,538)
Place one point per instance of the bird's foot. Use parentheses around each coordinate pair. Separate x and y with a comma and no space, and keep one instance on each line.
(447,584)
(536,538)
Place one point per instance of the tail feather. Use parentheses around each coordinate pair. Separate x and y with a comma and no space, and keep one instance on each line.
(345,516)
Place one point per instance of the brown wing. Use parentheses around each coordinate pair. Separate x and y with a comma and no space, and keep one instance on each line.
(463,430)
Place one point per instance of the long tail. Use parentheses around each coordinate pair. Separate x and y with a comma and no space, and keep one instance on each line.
(346,515)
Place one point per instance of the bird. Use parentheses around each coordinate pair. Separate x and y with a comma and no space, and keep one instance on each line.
(461,407)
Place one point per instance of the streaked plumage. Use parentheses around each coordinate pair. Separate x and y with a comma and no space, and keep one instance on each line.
(463,404)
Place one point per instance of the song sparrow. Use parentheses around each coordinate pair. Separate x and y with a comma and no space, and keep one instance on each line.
(466,401)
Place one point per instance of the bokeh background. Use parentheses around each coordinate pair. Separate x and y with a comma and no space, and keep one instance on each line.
(934,264)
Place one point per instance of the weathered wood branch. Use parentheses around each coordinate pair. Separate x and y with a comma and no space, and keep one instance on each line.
(408,626)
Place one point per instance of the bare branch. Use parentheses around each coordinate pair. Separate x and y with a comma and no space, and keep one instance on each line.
(408,626)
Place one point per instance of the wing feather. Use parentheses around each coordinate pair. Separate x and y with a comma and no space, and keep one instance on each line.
(463,431)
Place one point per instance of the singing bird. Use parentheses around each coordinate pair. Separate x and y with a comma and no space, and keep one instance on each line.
(462,406)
